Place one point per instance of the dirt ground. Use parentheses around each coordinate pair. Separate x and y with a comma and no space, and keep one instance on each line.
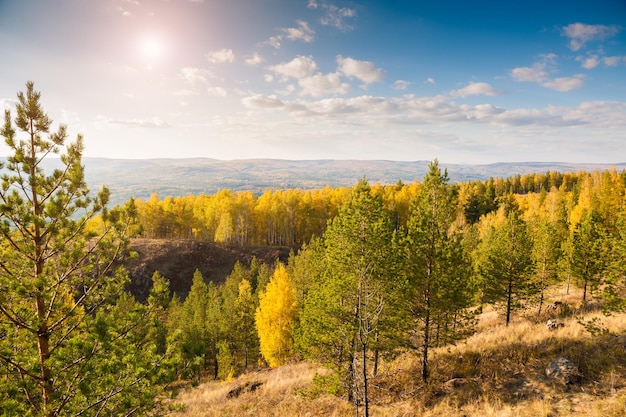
(177,260)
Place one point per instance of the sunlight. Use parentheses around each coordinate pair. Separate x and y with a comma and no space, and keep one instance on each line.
(151,47)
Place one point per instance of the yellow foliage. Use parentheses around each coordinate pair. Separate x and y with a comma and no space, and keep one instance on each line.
(275,317)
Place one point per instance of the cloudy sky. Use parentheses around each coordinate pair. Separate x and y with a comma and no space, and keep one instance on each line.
(464,81)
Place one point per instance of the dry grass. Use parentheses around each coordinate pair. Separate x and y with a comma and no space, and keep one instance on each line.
(276,396)
(500,369)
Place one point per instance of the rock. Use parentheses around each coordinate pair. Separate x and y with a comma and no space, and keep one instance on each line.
(554,324)
(241,389)
(460,383)
(563,370)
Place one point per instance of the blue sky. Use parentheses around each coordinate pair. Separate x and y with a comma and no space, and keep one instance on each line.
(465,82)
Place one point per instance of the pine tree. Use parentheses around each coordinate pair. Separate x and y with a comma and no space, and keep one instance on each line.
(506,264)
(194,324)
(436,267)
(588,255)
(158,302)
(246,339)
(352,311)
(60,289)
(545,254)
(614,289)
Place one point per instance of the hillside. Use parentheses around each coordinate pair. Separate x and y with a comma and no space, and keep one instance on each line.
(177,260)
(499,371)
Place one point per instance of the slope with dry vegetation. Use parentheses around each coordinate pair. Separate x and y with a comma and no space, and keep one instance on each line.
(499,371)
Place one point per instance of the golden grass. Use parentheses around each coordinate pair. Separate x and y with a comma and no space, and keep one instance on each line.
(503,366)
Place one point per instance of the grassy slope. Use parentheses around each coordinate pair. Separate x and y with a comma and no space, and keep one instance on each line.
(498,371)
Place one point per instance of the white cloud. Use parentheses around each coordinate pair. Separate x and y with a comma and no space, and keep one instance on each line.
(222,56)
(473,89)
(254,60)
(274,41)
(8,104)
(288,90)
(322,84)
(192,75)
(217,91)
(590,62)
(565,84)
(540,73)
(363,70)
(302,32)
(613,61)
(430,80)
(411,110)
(124,12)
(606,114)
(70,118)
(300,67)
(535,74)
(580,33)
(401,85)
(259,101)
(153,123)
(333,15)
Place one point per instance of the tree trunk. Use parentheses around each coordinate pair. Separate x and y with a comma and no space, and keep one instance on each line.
(365,399)
(425,370)
(509,301)
(43,342)
(375,367)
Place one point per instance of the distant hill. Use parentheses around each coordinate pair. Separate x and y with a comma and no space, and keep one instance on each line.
(177,177)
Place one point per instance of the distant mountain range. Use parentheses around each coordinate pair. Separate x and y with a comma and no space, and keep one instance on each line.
(176,177)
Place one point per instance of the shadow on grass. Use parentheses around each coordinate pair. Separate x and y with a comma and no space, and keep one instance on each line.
(513,372)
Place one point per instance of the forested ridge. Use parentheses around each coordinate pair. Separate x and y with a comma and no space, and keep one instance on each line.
(290,217)
(376,271)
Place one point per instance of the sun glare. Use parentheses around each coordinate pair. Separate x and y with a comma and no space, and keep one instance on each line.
(151,47)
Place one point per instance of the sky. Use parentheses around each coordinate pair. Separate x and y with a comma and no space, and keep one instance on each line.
(474,82)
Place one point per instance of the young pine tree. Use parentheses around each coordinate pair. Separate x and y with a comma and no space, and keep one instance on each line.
(435,265)
(353,311)
(60,289)
(506,264)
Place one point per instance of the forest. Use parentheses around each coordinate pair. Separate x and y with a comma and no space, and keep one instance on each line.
(376,271)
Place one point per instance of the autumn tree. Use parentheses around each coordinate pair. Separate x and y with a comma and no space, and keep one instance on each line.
(62,297)
(275,317)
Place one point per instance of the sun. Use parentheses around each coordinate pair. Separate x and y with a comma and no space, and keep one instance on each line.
(151,47)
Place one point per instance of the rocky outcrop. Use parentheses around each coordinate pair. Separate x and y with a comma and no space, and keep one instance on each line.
(554,324)
(563,370)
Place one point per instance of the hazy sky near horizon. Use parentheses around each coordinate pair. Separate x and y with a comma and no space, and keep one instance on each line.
(463,81)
